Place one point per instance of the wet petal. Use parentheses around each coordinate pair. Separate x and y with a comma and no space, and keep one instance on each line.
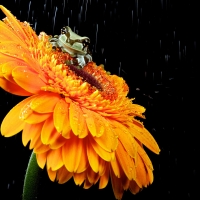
(145,137)
(126,138)
(13,48)
(42,104)
(27,79)
(77,121)
(34,118)
(95,122)
(141,173)
(14,116)
(109,140)
(7,68)
(126,162)
(105,155)
(61,112)
(13,88)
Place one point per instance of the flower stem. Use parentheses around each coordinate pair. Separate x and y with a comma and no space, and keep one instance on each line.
(31,181)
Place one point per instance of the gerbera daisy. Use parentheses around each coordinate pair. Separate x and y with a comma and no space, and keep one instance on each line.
(79,122)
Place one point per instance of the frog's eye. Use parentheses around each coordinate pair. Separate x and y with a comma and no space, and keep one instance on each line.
(87,41)
(64,30)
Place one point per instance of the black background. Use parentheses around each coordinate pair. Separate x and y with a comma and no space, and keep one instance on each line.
(153,45)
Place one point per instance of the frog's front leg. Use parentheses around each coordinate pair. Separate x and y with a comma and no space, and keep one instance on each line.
(83,60)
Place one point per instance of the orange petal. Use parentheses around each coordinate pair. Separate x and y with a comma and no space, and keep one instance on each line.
(145,137)
(33,117)
(54,159)
(102,166)
(116,185)
(126,162)
(7,68)
(41,148)
(15,24)
(83,164)
(41,159)
(52,174)
(26,136)
(7,34)
(104,178)
(92,176)
(109,139)
(63,175)
(67,131)
(95,122)
(13,48)
(60,111)
(77,121)
(93,158)
(79,178)
(27,79)
(13,88)
(125,137)
(144,157)
(14,117)
(45,102)
(71,153)
(141,173)
(87,184)
(48,130)
(115,167)
(56,140)
(105,155)
(133,187)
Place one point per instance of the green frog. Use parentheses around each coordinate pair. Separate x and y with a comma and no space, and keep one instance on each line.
(75,45)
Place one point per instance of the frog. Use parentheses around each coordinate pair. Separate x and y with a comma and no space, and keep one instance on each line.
(74,44)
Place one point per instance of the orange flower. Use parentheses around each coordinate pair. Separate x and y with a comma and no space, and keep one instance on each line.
(79,122)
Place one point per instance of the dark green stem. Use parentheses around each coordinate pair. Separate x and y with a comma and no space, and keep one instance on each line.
(32,178)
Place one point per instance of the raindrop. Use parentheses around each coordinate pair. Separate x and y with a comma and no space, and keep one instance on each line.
(29,6)
(132,15)
(35,25)
(136,5)
(161,4)
(119,68)
(54,18)
(86,8)
(160,44)
(63,6)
